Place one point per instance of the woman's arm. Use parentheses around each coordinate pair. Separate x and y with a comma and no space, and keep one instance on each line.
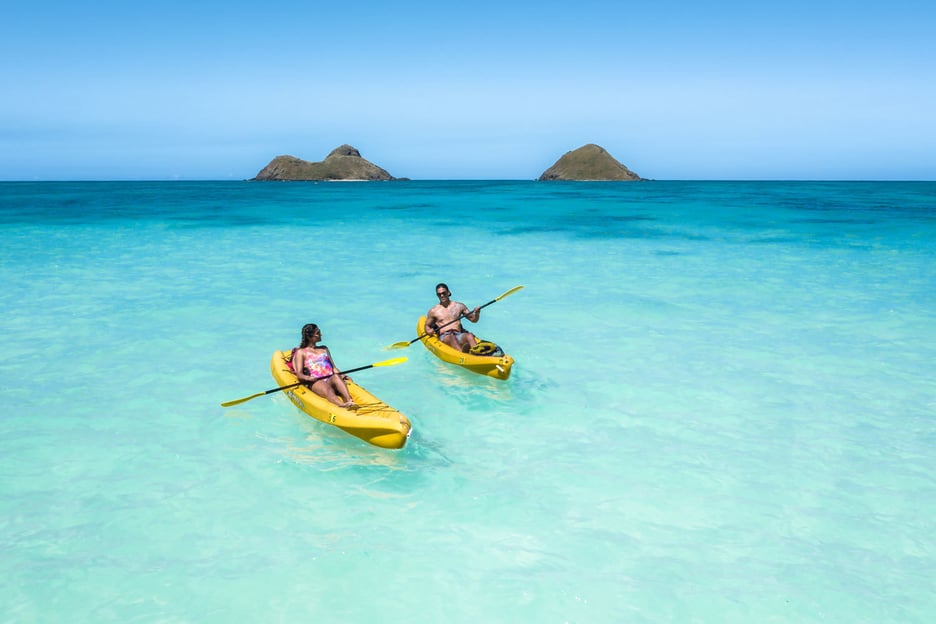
(332,360)
(299,365)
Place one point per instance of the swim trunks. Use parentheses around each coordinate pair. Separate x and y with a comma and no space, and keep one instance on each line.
(458,335)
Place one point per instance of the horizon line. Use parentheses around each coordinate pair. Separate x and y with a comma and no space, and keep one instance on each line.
(177,179)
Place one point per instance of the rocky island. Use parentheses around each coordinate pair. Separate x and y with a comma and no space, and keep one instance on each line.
(343,163)
(589,162)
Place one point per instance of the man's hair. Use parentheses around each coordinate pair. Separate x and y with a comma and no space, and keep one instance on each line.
(442,285)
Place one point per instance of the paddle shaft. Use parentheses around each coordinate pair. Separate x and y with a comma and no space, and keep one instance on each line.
(299,383)
(403,345)
(455,320)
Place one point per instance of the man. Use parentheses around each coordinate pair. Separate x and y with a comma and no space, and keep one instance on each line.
(444,319)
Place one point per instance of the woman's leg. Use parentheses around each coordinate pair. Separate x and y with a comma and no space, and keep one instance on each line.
(323,388)
(341,388)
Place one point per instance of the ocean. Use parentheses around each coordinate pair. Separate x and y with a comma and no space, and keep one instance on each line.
(723,407)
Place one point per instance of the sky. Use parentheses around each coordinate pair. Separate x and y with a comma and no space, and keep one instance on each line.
(673,89)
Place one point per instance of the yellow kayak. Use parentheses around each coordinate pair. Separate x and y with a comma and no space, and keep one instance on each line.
(371,419)
(497,366)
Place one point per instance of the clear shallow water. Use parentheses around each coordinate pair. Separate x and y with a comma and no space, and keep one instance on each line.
(722,409)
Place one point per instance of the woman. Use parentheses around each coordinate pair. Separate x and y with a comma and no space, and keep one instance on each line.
(314,365)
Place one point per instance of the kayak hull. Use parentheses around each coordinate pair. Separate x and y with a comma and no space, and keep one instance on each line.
(372,420)
(497,367)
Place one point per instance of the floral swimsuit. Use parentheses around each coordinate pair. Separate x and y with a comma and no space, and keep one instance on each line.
(317,364)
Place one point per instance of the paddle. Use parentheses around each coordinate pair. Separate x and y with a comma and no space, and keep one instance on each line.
(403,345)
(392,362)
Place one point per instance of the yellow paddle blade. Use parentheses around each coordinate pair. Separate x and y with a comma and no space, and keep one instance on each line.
(398,345)
(509,292)
(392,362)
(244,400)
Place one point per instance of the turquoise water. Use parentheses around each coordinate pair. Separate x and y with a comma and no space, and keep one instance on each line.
(723,407)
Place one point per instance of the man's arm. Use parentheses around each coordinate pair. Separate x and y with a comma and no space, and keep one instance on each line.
(430,322)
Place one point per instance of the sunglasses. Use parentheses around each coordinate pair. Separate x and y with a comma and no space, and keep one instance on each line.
(441,294)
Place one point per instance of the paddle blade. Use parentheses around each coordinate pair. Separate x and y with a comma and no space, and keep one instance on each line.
(392,362)
(244,400)
(398,345)
(509,292)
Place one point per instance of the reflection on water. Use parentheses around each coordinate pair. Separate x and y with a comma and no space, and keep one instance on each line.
(328,448)
(456,378)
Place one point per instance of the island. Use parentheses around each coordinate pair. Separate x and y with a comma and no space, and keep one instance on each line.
(589,162)
(343,163)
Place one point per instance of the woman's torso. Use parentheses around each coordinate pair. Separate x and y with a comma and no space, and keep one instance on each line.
(317,363)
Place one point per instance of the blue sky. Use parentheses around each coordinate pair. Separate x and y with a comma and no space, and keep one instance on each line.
(481,90)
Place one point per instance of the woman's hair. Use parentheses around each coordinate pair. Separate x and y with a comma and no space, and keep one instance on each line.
(308,334)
